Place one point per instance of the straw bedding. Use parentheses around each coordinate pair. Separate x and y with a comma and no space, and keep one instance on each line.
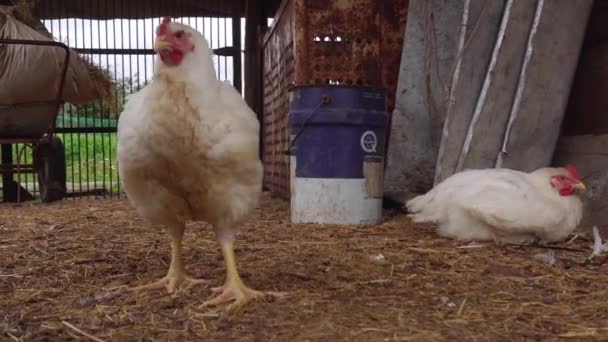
(63,268)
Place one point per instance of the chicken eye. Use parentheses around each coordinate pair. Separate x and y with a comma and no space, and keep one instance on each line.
(179,34)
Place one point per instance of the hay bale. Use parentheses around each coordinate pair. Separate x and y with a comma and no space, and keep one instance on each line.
(100,79)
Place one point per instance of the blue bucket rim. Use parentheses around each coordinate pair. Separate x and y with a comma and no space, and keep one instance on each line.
(345,86)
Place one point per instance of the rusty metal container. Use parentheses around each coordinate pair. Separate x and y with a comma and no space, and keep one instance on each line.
(352,42)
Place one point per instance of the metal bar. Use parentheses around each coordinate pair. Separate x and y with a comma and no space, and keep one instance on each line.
(137,46)
(116,89)
(72,130)
(28,168)
(14,106)
(18,140)
(72,116)
(236,59)
(217,43)
(13,165)
(144,46)
(89,112)
(101,108)
(224,58)
(211,45)
(124,87)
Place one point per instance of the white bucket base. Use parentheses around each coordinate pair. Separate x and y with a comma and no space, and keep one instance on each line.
(333,201)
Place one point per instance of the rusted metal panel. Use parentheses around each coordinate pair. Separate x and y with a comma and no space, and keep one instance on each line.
(278,75)
(137,9)
(325,42)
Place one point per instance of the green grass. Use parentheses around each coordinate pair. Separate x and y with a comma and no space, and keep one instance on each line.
(91,158)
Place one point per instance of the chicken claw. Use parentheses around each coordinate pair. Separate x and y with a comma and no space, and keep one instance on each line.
(172,282)
(240,294)
(177,276)
(234,289)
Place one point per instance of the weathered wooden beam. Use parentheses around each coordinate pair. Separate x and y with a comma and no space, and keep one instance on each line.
(486,128)
(509,67)
(536,122)
(511,88)
(429,53)
(479,30)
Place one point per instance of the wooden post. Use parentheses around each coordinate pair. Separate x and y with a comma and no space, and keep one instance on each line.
(9,193)
(236,41)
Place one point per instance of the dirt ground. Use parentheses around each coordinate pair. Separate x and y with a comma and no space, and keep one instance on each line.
(61,265)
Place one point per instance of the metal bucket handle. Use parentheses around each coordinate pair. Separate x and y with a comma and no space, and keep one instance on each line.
(325,99)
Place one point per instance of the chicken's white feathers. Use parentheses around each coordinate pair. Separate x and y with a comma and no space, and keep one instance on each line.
(498,204)
(188,145)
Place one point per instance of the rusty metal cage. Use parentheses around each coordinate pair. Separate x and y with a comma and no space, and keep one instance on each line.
(355,42)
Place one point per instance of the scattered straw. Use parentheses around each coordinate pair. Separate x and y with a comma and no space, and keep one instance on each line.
(74,259)
(82,332)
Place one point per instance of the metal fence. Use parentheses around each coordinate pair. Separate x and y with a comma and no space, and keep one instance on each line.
(124,48)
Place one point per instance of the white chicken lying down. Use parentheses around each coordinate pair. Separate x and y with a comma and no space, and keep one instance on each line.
(503,205)
(188,150)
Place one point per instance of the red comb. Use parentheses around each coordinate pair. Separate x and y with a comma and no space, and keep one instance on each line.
(572,170)
(162,28)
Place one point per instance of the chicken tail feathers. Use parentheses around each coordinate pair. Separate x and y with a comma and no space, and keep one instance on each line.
(418,207)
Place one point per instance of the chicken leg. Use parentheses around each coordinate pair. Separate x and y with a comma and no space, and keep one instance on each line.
(234,289)
(177,275)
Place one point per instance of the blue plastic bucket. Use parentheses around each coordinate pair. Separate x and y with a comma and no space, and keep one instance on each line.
(337,154)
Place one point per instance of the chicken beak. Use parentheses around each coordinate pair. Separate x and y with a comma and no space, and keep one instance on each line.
(161,45)
(580,186)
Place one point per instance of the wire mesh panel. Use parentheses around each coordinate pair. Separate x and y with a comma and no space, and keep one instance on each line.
(118,37)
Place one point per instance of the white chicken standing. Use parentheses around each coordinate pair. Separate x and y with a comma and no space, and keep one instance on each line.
(503,205)
(188,150)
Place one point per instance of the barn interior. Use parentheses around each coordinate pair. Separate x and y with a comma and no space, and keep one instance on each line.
(67,258)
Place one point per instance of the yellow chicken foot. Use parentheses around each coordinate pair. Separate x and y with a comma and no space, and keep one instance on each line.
(177,276)
(234,289)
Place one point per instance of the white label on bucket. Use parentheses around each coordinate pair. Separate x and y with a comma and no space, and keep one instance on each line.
(369,141)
